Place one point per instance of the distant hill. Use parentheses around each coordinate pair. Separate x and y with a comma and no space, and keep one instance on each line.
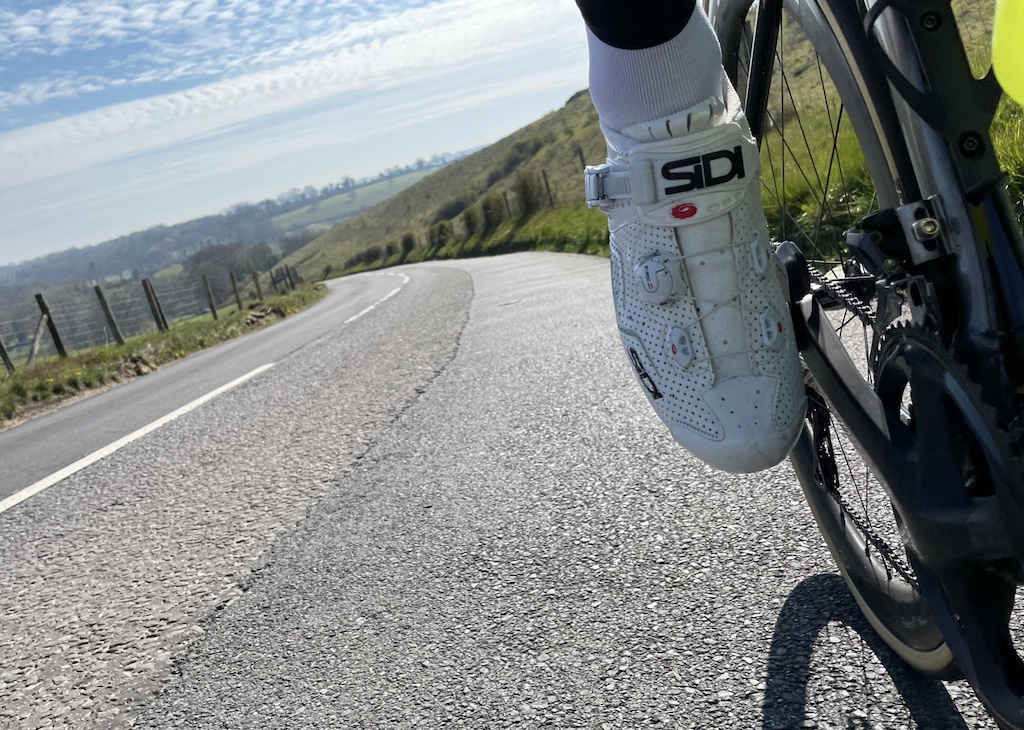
(327,213)
(461,209)
(144,253)
(492,200)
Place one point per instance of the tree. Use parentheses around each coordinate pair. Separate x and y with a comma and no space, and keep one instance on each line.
(408,243)
(449,210)
(294,241)
(440,234)
(493,209)
(261,257)
(217,263)
(445,233)
(471,219)
(529,191)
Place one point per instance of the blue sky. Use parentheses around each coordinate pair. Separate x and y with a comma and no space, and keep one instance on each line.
(116,115)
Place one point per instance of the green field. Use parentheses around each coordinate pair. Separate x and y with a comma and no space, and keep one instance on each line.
(497,199)
(444,212)
(335,209)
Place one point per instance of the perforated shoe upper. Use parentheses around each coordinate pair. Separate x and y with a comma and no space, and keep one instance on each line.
(700,309)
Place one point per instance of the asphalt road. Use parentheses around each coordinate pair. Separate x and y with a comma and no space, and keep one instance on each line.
(45,445)
(454,511)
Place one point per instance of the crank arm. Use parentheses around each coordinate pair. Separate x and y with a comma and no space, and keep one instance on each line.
(880,437)
(938,527)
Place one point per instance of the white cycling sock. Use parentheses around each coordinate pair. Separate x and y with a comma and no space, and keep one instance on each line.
(633,86)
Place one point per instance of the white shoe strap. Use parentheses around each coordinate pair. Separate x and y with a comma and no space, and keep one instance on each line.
(675,183)
(605,185)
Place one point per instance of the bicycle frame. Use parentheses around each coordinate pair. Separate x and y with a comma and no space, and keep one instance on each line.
(945,114)
(946,128)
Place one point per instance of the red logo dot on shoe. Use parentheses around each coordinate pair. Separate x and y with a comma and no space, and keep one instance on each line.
(684,211)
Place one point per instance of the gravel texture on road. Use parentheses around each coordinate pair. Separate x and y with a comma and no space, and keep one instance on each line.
(109,575)
(430,521)
(526,547)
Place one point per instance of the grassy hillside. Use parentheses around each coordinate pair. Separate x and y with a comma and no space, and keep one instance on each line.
(333,210)
(461,210)
(496,200)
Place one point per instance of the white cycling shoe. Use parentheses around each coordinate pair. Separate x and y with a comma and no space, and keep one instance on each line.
(700,306)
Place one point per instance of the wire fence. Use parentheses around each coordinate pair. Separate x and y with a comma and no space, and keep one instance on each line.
(77,318)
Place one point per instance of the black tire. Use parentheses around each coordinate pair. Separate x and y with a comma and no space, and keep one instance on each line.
(850,506)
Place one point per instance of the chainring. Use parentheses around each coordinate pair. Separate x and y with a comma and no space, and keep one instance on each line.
(904,352)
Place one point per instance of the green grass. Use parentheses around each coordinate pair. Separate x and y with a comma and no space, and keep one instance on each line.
(334,209)
(59,378)
(552,144)
(568,228)
(815,180)
(805,158)
(443,212)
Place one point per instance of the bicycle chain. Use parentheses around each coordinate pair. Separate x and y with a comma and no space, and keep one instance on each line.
(1012,439)
(854,304)
(1009,438)
(890,558)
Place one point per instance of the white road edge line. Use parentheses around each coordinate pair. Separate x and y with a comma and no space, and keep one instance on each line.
(58,476)
(405,280)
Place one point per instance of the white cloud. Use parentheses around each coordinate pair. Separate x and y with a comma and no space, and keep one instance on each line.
(84,22)
(369,54)
(329,88)
(202,41)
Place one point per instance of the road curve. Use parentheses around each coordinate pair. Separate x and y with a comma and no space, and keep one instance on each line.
(49,443)
(455,511)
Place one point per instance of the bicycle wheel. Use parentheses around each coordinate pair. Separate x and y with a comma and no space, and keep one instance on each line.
(831,155)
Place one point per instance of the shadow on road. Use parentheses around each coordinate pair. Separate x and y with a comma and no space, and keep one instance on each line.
(809,608)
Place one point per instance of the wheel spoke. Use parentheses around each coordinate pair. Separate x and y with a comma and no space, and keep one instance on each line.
(818,189)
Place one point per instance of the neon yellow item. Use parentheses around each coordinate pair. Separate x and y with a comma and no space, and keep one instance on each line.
(1008,47)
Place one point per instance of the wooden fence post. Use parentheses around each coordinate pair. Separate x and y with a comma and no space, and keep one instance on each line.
(160,308)
(209,297)
(147,286)
(583,162)
(37,339)
(234,287)
(51,325)
(288,278)
(111,322)
(508,208)
(259,289)
(547,186)
(6,358)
